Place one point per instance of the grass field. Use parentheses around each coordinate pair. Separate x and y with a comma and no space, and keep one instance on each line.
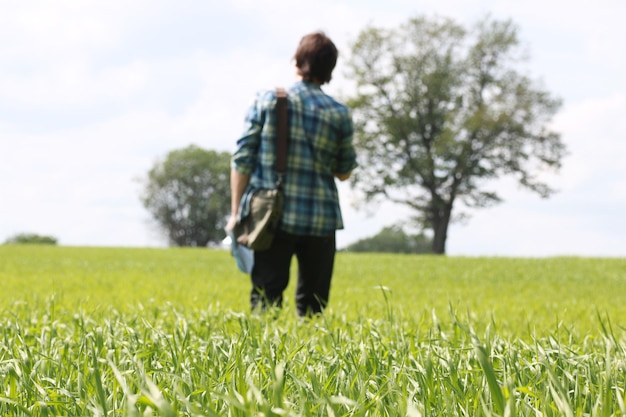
(130,332)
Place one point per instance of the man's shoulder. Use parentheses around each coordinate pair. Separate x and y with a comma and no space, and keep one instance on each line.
(264,100)
(317,98)
(266,95)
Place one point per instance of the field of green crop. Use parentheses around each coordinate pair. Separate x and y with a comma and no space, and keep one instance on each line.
(167,332)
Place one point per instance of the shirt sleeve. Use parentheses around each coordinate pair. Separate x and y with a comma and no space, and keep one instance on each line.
(346,155)
(245,156)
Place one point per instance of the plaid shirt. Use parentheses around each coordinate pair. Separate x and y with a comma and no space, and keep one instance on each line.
(320,144)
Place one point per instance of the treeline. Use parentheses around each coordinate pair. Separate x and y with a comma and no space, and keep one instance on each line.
(391,239)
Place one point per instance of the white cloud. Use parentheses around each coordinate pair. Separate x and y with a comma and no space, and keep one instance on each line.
(618,191)
(72,83)
(594,130)
(532,229)
(41,30)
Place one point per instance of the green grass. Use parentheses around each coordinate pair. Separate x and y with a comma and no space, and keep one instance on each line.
(93,278)
(130,332)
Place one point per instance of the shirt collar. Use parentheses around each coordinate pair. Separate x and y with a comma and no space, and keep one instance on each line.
(309,84)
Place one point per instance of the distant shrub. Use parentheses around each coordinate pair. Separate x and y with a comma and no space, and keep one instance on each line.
(31,238)
(393,239)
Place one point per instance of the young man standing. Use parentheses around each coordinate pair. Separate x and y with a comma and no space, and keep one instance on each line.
(319,150)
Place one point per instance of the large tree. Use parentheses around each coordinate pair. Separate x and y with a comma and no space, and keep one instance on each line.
(440,110)
(188,194)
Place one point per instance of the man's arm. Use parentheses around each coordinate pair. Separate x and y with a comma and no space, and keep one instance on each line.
(238,184)
(346,154)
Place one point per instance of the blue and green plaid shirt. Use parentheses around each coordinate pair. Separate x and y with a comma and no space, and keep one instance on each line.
(320,144)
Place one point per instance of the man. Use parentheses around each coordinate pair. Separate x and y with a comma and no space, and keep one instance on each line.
(319,150)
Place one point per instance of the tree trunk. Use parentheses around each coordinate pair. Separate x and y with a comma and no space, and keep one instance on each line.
(441,220)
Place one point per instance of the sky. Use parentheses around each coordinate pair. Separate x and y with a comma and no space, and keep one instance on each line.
(93,93)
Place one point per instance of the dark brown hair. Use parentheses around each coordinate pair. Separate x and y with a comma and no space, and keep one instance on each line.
(316,57)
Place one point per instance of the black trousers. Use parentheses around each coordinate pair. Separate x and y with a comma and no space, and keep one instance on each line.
(270,274)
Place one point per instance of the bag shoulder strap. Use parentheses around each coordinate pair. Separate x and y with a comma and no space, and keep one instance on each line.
(282,133)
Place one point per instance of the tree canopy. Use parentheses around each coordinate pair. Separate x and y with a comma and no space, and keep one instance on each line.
(188,195)
(441,110)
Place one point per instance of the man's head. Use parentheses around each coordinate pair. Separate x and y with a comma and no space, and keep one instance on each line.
(316,58)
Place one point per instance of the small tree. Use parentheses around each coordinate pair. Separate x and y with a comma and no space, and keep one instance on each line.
(393,239)
(440,111)
(188,194)
(31,238)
